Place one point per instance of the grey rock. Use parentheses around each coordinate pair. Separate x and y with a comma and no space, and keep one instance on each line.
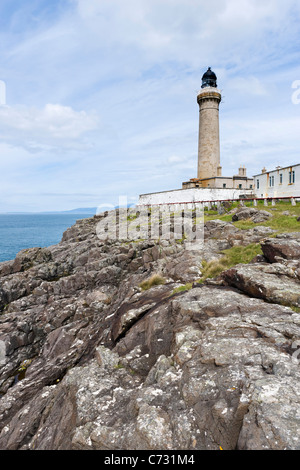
(256,215)
(276,283)
(107,366)
(287,248)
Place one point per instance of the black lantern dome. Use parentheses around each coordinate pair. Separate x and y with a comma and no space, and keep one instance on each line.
(209,79)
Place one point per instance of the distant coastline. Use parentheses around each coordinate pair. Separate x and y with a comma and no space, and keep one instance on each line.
(81,210)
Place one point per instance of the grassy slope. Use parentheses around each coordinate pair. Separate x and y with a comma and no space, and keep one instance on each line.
(279,221)
(244,254)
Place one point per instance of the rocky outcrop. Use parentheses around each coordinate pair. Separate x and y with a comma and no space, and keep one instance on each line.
(286,246)
(255,215)
(90,360)
(276,283)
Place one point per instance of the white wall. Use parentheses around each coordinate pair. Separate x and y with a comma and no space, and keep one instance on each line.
(284,189)
(192,195)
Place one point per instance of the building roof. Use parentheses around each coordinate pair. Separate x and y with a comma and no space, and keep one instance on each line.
(277,169)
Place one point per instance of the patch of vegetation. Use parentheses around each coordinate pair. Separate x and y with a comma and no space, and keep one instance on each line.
(131,217)
(279,221)
(181,240)
(154,280)
(245,224)
(184,288)
(119,366)
(211,269)
(283,223)
(232,257)
(296,309)
(242,254)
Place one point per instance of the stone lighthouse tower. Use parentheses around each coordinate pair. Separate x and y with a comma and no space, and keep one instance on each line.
(209,99)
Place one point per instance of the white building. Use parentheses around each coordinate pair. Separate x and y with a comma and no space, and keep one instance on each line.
(281,182)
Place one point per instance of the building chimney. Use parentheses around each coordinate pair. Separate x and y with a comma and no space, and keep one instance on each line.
(242,171)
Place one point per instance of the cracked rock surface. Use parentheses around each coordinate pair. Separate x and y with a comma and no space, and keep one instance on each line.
(107,365)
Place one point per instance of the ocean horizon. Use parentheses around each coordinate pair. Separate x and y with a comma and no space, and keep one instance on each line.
(19,231)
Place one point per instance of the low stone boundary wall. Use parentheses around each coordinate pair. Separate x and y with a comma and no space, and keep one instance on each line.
(174,207)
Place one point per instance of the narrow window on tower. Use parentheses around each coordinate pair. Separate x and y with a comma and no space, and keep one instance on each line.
(257,184)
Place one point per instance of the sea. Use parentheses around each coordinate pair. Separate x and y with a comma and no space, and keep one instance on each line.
(19,231)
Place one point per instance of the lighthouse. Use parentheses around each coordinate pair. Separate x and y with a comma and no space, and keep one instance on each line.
(208,100)
(210,184)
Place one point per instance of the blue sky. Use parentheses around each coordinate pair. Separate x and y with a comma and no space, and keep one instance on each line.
(101,94)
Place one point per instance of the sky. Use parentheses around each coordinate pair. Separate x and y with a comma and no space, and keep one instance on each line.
(98,98)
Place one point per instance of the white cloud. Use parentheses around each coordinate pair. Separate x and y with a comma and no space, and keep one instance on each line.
(53,126)
(189,31)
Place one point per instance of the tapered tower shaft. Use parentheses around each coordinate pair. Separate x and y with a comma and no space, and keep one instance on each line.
(209,99)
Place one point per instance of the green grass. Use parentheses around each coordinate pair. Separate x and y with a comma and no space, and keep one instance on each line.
(245,224)
(283,223)
(232,257)
(278,221)
(184,288)
(244,254)
(132,217)
(241,254)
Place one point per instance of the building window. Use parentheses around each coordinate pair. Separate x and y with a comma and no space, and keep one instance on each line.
(280,178)
(224,185)
(240,186)
(257,184)
(291,177)
(251,186)
(271,181)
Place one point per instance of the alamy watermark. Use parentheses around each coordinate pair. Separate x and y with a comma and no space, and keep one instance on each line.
(2,93)
(184,222)
(296,354)
(296,94)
